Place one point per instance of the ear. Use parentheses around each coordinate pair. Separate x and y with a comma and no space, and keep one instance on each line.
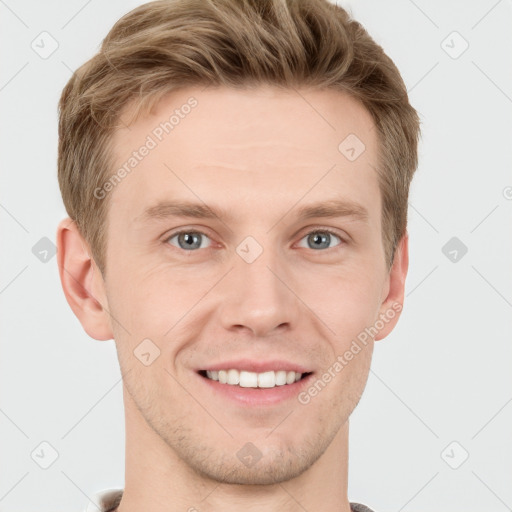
(82,282)
(392,305)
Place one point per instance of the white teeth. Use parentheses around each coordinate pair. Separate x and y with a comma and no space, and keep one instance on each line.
(233,377)
(267,380)
(280,378)
(248,379)
(245,379)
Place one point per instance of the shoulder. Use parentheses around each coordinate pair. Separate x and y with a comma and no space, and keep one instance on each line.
(359,507)
(104,501)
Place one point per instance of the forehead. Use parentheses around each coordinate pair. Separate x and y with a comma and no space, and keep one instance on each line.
(241,144)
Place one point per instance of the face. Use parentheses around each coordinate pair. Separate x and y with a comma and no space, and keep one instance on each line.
(246,237)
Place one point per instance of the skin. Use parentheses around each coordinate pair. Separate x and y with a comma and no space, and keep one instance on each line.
(260,154)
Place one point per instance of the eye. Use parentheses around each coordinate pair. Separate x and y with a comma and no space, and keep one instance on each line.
(187,240)
(190,240)
(320,239)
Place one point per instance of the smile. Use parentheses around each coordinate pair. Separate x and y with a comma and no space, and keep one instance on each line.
(246,379)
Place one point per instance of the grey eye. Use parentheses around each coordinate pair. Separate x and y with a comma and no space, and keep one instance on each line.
(188,240)
(320,239)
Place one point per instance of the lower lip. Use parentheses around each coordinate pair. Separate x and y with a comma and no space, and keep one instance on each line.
(258,396)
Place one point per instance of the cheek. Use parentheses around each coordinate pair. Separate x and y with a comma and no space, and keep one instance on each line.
(149,301)
(347,299)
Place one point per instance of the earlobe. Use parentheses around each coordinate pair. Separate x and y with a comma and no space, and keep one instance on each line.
(391,307)
(82,281)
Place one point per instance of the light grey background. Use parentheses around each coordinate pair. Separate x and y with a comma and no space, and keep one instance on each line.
(442,377)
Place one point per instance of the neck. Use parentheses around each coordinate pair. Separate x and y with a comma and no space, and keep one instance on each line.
(157,480)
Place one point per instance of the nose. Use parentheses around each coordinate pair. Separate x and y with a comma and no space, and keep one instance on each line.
(258,297)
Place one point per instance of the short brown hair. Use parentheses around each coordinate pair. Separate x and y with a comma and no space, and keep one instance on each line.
(169,44)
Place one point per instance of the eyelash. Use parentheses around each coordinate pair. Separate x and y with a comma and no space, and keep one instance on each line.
(313,231)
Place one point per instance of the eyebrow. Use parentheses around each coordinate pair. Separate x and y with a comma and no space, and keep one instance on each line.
(328,209)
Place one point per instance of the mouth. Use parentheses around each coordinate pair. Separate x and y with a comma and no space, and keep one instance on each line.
(256,380)
(254,384)
(253,391)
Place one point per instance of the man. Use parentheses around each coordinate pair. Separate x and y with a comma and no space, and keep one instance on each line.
(236,175)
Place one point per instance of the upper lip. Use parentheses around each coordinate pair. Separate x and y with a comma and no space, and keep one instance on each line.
(258,366)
